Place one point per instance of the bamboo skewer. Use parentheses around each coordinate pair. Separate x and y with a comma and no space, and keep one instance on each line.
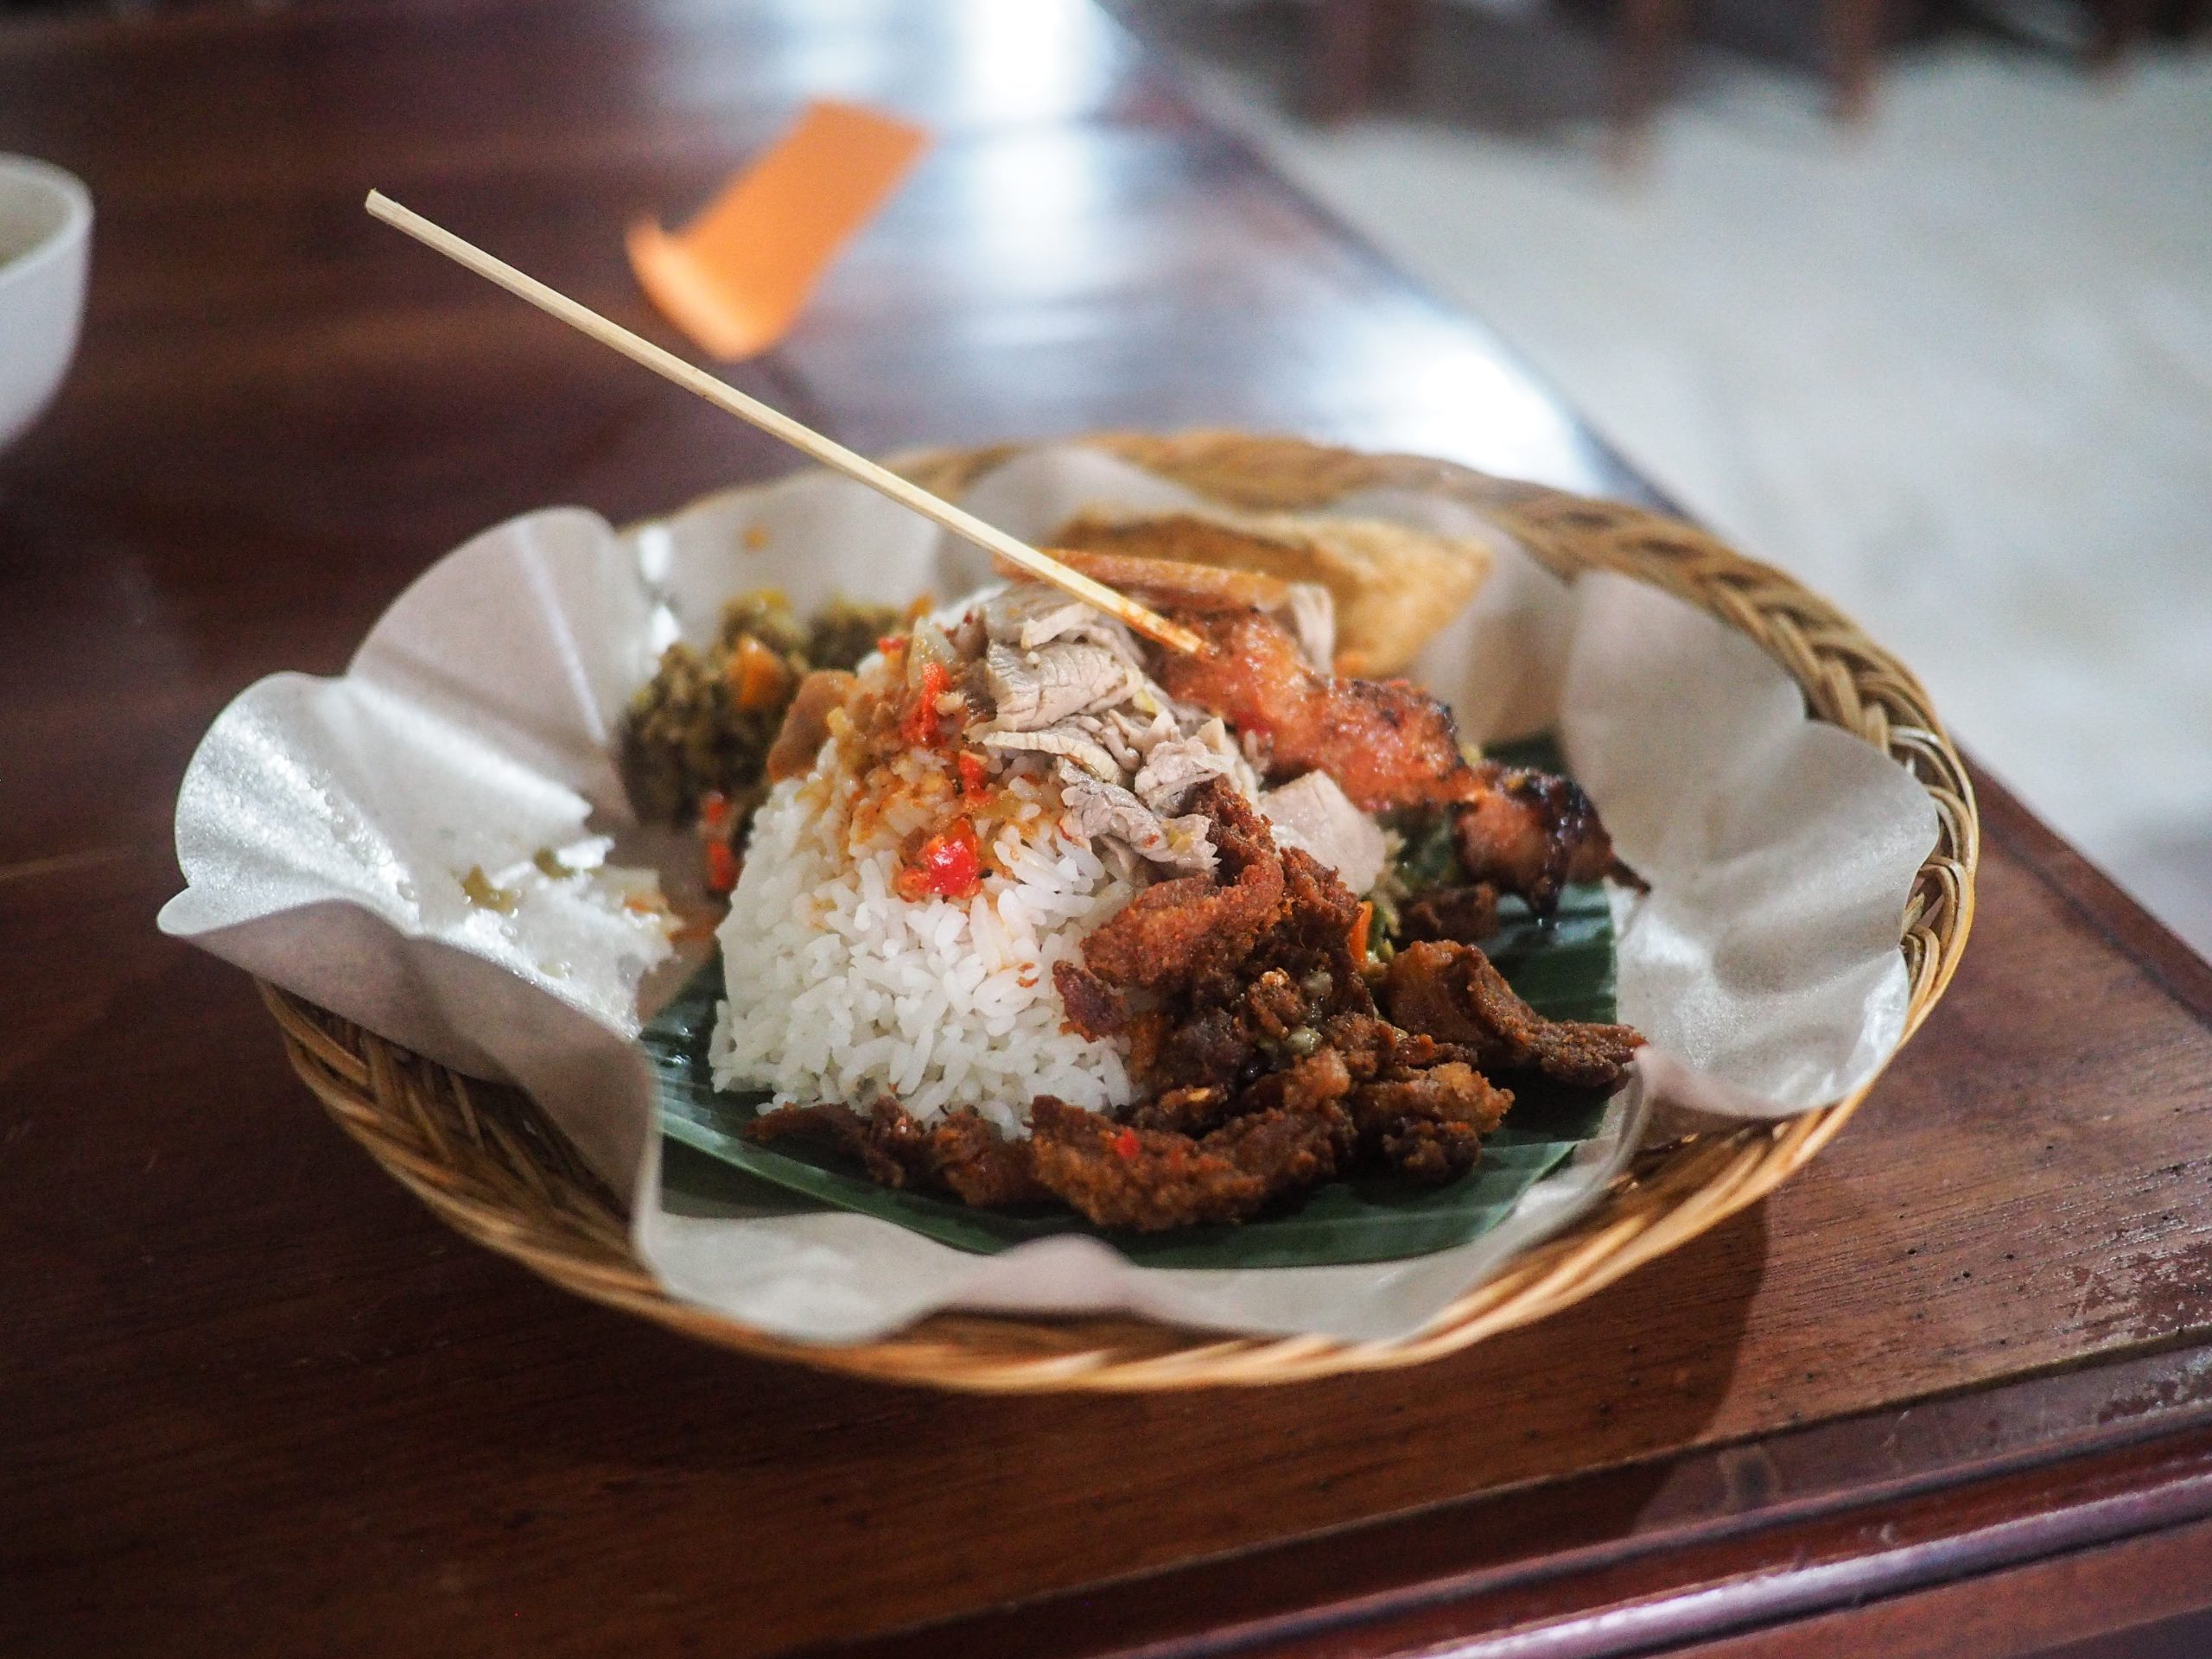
(777,424)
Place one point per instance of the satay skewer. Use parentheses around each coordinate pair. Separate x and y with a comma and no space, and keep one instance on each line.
(777,424)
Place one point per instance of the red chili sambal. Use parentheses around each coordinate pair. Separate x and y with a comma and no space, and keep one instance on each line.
(949,865)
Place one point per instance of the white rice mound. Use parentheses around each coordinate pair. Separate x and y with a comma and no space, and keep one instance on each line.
(841,990)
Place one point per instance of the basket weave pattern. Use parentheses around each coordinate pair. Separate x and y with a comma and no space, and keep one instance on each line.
(481,1156)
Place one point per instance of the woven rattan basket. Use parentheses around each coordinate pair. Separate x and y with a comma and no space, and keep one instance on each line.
(483,1158)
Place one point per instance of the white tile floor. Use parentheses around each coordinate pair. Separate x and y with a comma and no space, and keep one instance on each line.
(1954,371)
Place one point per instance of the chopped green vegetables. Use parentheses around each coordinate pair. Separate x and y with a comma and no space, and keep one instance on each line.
(703,725)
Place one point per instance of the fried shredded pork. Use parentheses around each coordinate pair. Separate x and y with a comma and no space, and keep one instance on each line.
(1468,914)
(1153,1180)
(1178,931)
(1452,992)
(1430,1125)
(959,1155)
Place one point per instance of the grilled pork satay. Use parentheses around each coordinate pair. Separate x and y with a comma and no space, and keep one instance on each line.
(1386,742)
(1529,832)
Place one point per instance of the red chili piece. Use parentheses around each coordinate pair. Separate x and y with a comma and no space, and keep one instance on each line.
(723,866)
(1126,1144)
(922,726)
(974,776)
(949,865)
(1357,943)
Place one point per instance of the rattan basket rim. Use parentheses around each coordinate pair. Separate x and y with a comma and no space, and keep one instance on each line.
(483,1159)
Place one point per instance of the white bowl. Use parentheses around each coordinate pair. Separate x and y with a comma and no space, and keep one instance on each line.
(45,237)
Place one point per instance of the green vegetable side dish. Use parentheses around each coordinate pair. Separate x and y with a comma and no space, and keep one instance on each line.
(702,725)
(1564,967)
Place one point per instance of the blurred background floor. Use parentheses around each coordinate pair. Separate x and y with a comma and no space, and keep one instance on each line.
(1952,367)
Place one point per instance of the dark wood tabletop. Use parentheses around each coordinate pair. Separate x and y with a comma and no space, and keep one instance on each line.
(1947,1393)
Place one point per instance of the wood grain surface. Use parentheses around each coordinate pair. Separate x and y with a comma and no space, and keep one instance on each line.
(252,1400)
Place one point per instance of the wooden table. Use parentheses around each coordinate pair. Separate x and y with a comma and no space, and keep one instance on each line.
(1948,1393)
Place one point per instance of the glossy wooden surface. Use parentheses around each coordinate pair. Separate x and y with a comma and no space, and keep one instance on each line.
(252,1400)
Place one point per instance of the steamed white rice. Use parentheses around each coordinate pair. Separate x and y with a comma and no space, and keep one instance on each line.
(841,990)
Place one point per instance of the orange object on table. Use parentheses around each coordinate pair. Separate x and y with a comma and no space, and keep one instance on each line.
(736,277)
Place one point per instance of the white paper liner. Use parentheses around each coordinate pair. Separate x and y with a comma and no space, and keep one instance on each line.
(323,825)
